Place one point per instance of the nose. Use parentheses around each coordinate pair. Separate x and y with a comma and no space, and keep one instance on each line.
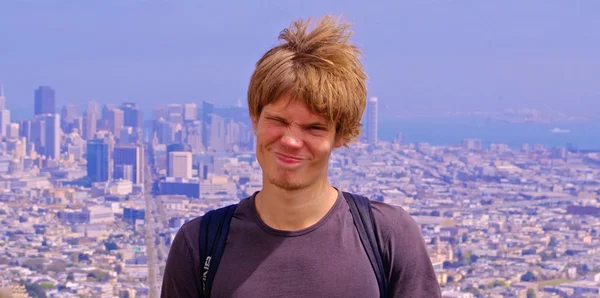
(291,140)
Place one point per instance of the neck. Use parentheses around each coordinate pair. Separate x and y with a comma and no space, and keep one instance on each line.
(297,209)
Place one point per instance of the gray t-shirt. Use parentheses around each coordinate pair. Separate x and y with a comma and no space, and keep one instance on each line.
(324,260)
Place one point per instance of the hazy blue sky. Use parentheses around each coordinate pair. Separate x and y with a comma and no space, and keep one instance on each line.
(422,56)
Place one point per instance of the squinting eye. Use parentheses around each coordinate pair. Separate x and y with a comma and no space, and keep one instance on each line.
(278,121)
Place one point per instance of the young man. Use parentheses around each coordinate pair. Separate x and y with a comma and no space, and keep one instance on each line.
(296,236)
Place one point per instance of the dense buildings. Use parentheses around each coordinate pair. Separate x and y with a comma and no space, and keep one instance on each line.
(94,216)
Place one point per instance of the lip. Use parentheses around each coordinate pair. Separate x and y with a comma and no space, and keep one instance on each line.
(286,159)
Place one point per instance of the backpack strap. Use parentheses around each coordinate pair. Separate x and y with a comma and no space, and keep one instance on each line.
(360,207)
(214,228)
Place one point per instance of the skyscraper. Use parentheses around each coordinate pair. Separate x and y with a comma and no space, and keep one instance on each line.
(44,101)
(175,113)
(190,112)
(2,99)
(90,118)
(217,133)
(12,130)
(180,165)
(53,132)
(68,115)
(38,134)
(177,147)
(129,163)
(4,113)
(4,121)
(372,137)
(116,119)
(98,161)
(194,136)
(132,115)
(207,110)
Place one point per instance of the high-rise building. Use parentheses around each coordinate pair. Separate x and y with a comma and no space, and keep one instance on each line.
(116,120)
(90,119)
(399,139)
(217,133)
(129,163)
(44,100)
(2,99)
(4,121)
(38,134)
(177,147)
(180,165)
(53,134)
(68,115)
(372,125)
(207,110)
(190,112)
(25,129)
(194,136)
(175,113)
(4,114)
(130,135)
(98,161)
(472,144)
(164,131)
(12,130)
(158,112)
(132,115)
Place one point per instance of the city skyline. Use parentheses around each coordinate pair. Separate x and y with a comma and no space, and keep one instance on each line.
(513,127)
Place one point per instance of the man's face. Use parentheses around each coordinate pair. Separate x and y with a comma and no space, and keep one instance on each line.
(293,144)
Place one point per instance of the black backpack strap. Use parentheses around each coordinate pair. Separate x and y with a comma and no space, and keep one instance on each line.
(214,227)
(360,207)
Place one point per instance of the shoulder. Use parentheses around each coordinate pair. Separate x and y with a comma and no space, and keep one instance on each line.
(190,231)
(189,235)
(394,221)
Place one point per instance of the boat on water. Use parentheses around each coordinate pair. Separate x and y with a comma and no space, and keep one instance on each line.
(559,130)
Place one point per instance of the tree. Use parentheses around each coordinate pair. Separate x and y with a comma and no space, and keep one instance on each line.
(110,246)
(473,290)
(83,257)
(467,258)
(531,293)
(465,237)
(548,255)
(46,285)
(529,276)
(497,283)
(99,276)
(35,290)
(553,242)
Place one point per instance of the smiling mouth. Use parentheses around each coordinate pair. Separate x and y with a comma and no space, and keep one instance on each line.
(288,159)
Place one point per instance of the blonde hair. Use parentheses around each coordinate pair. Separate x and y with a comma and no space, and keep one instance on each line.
(319,67)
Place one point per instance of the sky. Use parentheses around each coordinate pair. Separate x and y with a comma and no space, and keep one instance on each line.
(423,57)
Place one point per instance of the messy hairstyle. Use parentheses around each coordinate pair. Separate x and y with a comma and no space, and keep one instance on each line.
(319,67)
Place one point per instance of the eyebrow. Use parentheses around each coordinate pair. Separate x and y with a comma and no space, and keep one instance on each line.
(275,117)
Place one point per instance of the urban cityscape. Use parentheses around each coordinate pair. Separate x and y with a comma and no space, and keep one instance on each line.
(92,198)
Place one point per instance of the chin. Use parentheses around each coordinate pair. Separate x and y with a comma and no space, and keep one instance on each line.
(286,181)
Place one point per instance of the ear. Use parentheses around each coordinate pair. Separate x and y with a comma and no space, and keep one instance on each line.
(339,142)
